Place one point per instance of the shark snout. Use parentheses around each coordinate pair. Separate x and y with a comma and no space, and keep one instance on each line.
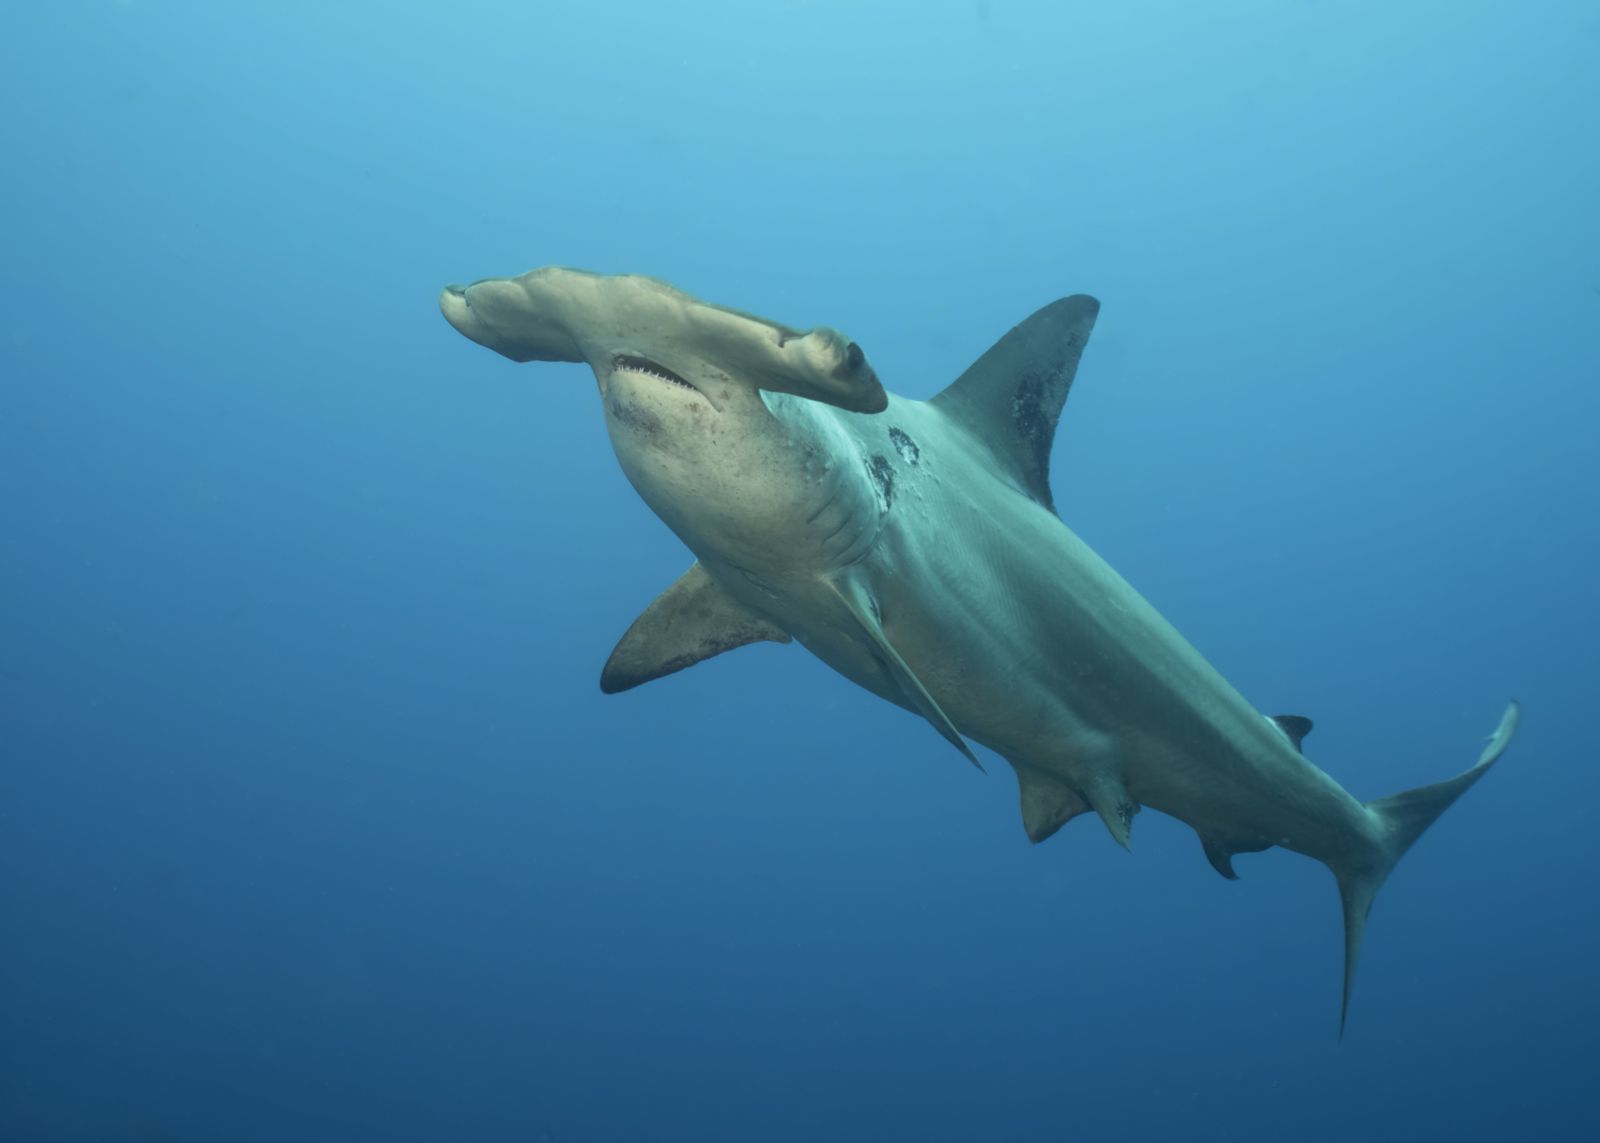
(502,315)
(456,308)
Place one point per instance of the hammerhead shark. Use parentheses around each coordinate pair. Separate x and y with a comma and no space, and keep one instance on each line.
(913,546)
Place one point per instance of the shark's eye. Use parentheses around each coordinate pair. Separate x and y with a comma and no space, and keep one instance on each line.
(853,357)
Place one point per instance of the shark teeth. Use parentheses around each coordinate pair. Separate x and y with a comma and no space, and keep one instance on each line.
(649,369)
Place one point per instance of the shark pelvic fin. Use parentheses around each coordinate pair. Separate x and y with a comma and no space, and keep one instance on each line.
(864,616)
(1011,397)
(1047,804)
(690,622)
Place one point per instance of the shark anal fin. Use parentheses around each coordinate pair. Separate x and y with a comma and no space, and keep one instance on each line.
(1220,853)
(1296,726)
(870,629)
(1047,804)
(690,622)
(1010,398)
(1221,860)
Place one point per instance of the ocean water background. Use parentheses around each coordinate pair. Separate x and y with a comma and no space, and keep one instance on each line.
(313,821)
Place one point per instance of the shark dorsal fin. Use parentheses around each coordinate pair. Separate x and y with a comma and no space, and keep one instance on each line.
(1011,397)
(690,622)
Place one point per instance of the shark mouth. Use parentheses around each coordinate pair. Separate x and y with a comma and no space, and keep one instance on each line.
(624,363)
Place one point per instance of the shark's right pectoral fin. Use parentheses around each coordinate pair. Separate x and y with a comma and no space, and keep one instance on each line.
(862,613)
(690,622)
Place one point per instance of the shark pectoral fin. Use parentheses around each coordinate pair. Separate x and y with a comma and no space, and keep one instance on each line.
(864,618)
(1047,804)
(690,622)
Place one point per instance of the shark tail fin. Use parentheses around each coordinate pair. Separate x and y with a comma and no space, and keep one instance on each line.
(1401,819)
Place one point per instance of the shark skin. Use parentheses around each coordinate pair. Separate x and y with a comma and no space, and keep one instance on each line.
(913,547)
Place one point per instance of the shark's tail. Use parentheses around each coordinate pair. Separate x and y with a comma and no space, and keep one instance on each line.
(1402,818)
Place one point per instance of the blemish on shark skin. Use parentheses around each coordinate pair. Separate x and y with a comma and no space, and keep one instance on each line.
(882,473)
(1034,425)
(905,446)
(638,419)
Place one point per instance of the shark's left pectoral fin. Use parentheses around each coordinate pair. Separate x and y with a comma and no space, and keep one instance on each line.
(864,617)
(690,622)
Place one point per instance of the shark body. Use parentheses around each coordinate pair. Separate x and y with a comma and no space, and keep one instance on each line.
(913,547)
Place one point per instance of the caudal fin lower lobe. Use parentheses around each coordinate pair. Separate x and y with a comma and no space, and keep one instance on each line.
(1403,818)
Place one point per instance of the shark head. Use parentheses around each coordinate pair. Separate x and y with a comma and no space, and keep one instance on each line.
(632,326)
(700,401)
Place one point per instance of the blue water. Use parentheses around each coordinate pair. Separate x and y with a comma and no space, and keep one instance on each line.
(313,821)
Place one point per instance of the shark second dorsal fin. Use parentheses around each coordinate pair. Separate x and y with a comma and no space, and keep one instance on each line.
(1011,397)
(863,616)
(1296,726)
(690,622)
